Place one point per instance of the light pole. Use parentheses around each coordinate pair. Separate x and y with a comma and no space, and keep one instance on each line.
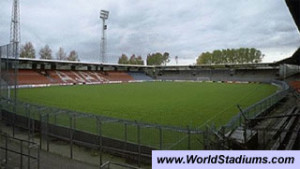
(176,60)
(103,15)
(15,41)
(211,67)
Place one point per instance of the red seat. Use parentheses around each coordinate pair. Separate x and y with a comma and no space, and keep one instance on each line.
(27,77)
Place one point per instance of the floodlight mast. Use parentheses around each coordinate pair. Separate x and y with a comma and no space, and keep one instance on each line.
(103,15)
(15,42)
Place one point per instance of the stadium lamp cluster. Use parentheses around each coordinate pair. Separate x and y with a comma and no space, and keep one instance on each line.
(104,14)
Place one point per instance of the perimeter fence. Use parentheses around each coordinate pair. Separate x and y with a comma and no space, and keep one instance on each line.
(18,153)
(118,136)
(126,138)
(7,78)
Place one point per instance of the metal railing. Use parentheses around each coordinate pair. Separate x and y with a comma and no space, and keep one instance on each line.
(256,109)
(109,165)
(19,153)
(126,138)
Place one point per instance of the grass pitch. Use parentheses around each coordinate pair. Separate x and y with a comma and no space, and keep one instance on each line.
(167,103)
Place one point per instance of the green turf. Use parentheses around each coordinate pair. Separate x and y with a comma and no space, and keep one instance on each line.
(168,103)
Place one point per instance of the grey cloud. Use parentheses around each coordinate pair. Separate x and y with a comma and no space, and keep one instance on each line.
(183,28)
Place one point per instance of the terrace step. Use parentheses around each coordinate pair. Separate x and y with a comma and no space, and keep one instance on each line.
(243,136)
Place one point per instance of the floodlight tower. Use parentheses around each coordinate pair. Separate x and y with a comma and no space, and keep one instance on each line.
(15,28)
(103,15)
(15,41)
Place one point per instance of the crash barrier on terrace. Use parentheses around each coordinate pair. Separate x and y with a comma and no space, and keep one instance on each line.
(239,127)
(18,153)
(258,108)
(130,139)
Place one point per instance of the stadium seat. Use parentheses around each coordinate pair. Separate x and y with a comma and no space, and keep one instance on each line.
(32,77)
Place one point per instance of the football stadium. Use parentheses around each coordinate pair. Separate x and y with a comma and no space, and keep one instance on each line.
(119,113)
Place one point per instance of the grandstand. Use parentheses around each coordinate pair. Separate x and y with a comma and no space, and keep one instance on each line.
(295,84)
(41,72)
(46,77)
(45,72)
(222,74)
(140,76)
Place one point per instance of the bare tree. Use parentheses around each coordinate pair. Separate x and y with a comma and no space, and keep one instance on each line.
(27,51)
(46,53)
(61,55)
(73,56)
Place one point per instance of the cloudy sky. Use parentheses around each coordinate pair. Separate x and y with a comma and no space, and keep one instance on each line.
(184,28)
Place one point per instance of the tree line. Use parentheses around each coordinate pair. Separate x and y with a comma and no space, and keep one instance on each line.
(133,60)
(152,59)
(232,56)
(28,51)
(224,56)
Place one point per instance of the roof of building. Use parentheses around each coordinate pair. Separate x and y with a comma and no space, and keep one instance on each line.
(294,7)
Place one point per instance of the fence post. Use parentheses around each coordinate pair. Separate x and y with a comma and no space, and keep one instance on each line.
(245,133)
(101,143)
(47,131)
(71,135)
(6,148)
(74,122)
(207,138)
(38,158)
(0,93)
(28,121)
(41,130)
(21,154)
(55,120)
(28,157)
(204,138)
(99,126)
(13,121)
(264,137)
(33,128)
(160,138)
(189,137)
(261,107)
(240,119)
(139,144)
(125,136)
(222,132)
